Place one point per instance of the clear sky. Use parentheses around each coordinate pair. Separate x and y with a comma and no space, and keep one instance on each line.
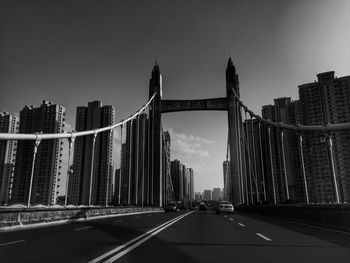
(72,52)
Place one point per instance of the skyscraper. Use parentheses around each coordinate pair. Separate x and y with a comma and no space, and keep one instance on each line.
(8,124)
(168,194)
(216,194)
(48,118)
(177,179)
(92,159)
(327,156)
(136,187)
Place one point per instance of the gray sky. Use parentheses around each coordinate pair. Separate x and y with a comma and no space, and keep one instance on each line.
(72,52)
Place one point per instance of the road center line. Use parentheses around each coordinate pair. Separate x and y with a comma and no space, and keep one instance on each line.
(13,242)
(264,237)
(241,224)
(231,219)
(81,228)
(134,240)
(138,243)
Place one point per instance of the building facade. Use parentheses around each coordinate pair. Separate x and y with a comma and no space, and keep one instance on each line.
(91,180)
(324,101)
(48,118)
(8,124)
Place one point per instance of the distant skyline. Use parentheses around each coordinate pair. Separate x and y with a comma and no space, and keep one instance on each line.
(73,52)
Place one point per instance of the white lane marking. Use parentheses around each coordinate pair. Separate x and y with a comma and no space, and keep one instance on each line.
(118,221)
(264,237)
(231,219)
(131,241)
(122,253)
(225,216)
(241,225)
(82,228)
(13,242)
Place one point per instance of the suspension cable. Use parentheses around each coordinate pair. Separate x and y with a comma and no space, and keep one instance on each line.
(315,128)
(23,136)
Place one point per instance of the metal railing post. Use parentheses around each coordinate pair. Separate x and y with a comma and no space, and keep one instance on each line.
(121,167)
(303,167)
(254,161)
(272,174)
(70,144)
(108,168)
(36,145)
(284,164)
(262,162)
(330,147)
(130,158)
(92,165)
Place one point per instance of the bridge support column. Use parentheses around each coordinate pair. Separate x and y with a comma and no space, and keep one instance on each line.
(231,87)
(155,122)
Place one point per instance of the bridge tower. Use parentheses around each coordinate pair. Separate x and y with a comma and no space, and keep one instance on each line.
(234,124)
(155,133)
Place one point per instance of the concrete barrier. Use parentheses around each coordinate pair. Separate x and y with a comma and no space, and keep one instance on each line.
(330,216)
(27,216)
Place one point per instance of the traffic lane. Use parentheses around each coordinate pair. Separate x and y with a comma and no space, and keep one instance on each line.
(292,245)
(78,241)
(341,238)
(199,237)
(206,237)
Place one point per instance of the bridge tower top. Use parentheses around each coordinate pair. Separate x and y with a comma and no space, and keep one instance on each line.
(155,83)
(231,78)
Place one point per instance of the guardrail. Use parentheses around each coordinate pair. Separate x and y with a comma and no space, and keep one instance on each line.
(26,216)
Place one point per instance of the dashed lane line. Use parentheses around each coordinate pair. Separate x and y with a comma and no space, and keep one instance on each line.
(241,224)
(13,242)
(264,237)
(231,219)
(82,228)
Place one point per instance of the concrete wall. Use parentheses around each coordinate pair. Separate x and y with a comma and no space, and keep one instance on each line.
(15,217)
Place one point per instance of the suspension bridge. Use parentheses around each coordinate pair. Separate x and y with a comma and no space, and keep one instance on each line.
(258,180)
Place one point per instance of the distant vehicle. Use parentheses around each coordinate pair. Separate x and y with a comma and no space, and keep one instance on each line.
(202,206)
(171,207)
(224,207)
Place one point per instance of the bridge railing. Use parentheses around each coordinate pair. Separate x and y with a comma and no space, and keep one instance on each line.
(262,140)
(71,136)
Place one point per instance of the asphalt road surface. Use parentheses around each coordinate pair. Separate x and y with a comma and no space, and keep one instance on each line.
(197,236)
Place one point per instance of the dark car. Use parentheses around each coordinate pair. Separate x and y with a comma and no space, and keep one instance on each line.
(171,207)
(202,206)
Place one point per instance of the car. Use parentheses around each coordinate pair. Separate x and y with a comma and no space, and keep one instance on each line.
(202,206)
(171,207)
(224,207)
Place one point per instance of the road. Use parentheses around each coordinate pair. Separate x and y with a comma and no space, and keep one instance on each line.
(198,236)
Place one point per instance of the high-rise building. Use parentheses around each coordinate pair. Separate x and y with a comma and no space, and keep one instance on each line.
(136,186)
(324,101)
(192,197)
(48,118)
(216,194)
(168,191)
(285,160)
(8,124)
(93,170)
(177,179)
(207,195)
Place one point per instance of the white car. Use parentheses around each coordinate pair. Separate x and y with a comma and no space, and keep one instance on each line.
(225,207)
